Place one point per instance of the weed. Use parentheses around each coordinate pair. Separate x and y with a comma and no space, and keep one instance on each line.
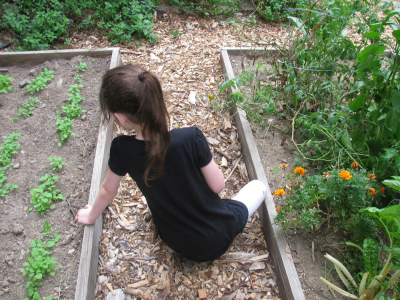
(43,197)
(175,33)
(8,149)
(5,83)
(82,67)
(40,263)
(40,82)
(56,162)
(26,109)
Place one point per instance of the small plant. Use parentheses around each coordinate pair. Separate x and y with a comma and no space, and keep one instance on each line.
(8,149)
(26,109)
(82,67)
(5,84)
(175,33)
(56,162)
(43,197)
(374,285)
(40,82)
(39,262)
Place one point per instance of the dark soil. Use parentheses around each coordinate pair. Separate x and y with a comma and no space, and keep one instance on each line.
(39,140)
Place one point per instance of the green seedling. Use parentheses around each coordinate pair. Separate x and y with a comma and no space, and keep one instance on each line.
(27,109)
(5,84)
(175,33)
(40,82)
(82,67)
(46,194)
(65,127)
(78,78)
(40,263)
(8,149)
(72,110)
(56,162)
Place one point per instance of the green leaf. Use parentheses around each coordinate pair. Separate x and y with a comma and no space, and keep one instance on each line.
(395,183)
(392,120)
(372,34)
(34,252)
(396,34)
(396,99)
(357,103)
(299,23)
(345,140)
(370,256)
(357,86)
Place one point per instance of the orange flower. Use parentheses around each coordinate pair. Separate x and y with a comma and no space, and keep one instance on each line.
(300,170)
(354,164)
(372,192)
(371,176)
(326,175)
(278,208)
(345,175)
(382,189)
(283,166)
(279,192)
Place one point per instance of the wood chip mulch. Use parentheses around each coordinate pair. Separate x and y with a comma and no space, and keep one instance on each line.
(132,257)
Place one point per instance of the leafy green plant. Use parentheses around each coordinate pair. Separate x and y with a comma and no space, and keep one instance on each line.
(43,197)
(5,83)
(64,125)
(82,67)
(27,109)
(40,263)
(208,8)
(40,82)
(7,150)
(56,162)
(381,272)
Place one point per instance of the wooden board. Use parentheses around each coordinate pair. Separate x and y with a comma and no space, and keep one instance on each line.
(87,273)
(32,58)
(288,279)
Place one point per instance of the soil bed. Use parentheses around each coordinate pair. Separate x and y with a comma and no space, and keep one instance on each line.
(39,140)
(275,148)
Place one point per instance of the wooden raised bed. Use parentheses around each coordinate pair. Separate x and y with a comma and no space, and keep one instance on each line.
(87,273)
(288,280)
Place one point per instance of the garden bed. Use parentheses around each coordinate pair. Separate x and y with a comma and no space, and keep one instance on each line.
(288,279)
(79,179)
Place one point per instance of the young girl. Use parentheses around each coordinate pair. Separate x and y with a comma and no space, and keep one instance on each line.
(174,170)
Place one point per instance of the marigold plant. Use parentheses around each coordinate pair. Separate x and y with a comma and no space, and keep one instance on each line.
(372,192)
(354,164)
(382,189)
(300,170)
(371,176)
(279,192)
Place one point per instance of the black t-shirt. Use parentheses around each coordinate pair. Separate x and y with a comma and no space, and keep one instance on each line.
(190,217)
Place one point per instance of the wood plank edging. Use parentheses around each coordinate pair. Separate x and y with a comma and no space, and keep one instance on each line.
(37,57)
(288,280)
(87,273)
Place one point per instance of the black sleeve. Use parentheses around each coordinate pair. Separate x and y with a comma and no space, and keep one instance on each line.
(114,162)
(204,155)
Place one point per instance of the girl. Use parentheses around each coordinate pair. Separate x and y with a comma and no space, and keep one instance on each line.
(174,170)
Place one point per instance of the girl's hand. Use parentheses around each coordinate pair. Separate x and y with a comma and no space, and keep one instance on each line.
(83,216)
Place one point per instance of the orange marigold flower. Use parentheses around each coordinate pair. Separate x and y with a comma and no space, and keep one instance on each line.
(372,192)
(382,189)
(279,192)
(371,176)
(345,175)
(354,164)
(283,166)
(326,175)
(278,208)
(300,170)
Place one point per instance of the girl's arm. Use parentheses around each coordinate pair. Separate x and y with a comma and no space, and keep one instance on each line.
(108,190)
(214,177)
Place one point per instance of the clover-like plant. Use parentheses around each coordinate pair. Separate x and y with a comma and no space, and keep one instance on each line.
(40,82)
(5,84)
(56,162)
(46,194)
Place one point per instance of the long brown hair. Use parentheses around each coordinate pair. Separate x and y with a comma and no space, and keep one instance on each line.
(137,94)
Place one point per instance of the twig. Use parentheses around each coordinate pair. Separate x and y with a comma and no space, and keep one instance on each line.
(224,154)
(312,251)
(70,209)
(237,162)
